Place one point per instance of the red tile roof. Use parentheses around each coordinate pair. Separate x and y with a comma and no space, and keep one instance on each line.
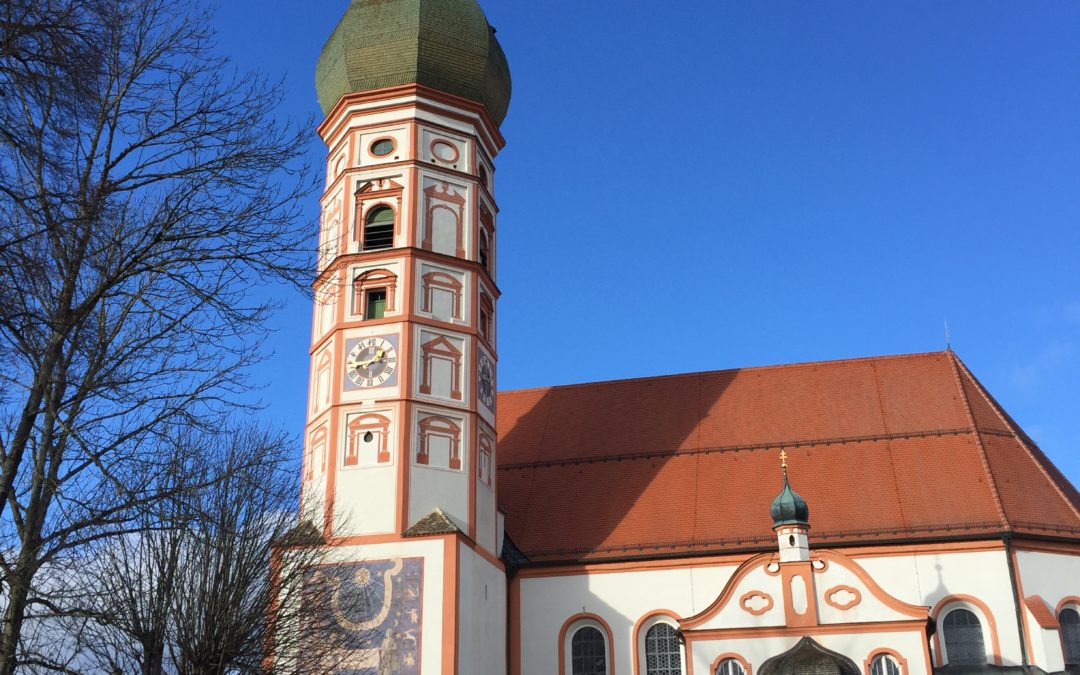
(892,448)
(1042,612)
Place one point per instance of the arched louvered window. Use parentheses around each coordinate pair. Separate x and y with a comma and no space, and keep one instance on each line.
(662,655)
(963,638)
(1070,635)
(485,248)
(729,667)
(883,664)
(588,652)
(379,228)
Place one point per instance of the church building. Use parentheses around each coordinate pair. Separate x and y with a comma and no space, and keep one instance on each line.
(882,516)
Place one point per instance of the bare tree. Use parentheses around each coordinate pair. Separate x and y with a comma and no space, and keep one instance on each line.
(144,190)
(193,594)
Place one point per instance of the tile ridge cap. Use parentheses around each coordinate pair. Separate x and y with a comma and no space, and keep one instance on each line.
(1020,436)
(724,371)
(991,481)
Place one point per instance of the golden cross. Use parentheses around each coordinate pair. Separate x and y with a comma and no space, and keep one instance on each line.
(783,459)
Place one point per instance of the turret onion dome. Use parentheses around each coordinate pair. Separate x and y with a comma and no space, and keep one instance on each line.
(789,508)
(447,45)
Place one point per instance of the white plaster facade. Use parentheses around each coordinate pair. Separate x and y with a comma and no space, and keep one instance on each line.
(628,598)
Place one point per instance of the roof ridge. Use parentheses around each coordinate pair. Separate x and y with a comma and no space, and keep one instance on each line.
(436,522)
(1021,437)
(776,366)
(991,481)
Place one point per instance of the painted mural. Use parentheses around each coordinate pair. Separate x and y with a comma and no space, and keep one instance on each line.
(370,612)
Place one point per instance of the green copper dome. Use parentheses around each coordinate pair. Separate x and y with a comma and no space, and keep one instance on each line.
(789,508)
(443,44)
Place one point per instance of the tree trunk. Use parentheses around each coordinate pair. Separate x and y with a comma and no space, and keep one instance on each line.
(18,588)
(153,650)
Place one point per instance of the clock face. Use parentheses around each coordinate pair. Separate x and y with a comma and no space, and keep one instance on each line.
(485,389)
(371,362)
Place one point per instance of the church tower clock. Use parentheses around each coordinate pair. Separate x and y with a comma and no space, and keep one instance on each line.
(400,441)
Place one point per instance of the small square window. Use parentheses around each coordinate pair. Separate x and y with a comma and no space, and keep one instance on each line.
(375,304)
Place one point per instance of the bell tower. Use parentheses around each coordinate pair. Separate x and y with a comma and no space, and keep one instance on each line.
(400,441)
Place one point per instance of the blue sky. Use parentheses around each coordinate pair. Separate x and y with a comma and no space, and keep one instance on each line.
(753,183)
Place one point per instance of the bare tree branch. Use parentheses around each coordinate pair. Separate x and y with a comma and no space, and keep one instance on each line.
(146,188)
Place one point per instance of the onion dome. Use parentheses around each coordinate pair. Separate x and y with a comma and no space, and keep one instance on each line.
(447,45)
(789,508)
(807,656)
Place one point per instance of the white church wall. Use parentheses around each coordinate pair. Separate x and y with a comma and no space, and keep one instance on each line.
(373,125)
(435,484)
(842,597)
(481,615)
(365,489)
(1052,576)
(397,133)
(971,579)
(977,580)
(457,125)
(756,600)
(1046,651)
(439,488)
(485,516)
(440,148)
(1053,579)
(362,498)
(621,599)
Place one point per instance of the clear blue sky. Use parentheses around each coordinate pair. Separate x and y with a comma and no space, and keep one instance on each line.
(755,183)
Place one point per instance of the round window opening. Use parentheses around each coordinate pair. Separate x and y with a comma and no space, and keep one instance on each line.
(369,437)
(382,147)
(444,151)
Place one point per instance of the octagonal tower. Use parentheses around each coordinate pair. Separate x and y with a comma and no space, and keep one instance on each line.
(400,443)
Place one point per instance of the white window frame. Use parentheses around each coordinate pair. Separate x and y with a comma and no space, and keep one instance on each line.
(643,630)
(568,647)
(984,624)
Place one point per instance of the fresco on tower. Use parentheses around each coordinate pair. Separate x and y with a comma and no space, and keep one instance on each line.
(370,612)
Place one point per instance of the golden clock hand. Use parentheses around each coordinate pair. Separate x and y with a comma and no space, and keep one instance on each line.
(367,362)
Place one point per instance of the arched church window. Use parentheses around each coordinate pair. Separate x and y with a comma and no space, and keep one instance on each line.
(662,655)
(1070,635)
(963,638)
(729,667)
(379,228)
(884,664)
(588,653)
(484,250)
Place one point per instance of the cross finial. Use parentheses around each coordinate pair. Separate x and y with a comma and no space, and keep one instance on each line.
(783,460)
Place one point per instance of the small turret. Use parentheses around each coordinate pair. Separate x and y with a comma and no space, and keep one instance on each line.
(791,521)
